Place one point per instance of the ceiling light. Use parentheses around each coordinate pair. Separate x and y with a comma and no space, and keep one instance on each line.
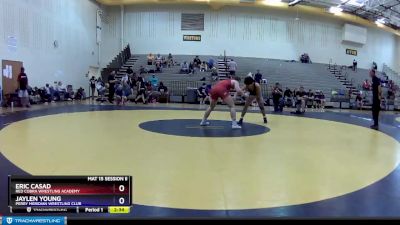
(335,10)
(274,2)
(380,22)
(294,2)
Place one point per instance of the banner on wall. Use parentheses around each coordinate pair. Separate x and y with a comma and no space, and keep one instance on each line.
(10,70)
(7,71)
(12,44)
(191,37)
(351,52)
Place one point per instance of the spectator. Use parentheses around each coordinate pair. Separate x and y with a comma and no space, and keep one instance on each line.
(304,58)
(125,78)
(319,99)
(129,71)
(391,85)
(142,70)
(214,73)
(203,67)
(126,89)
(158,67)
(366,85)
(201,93)
(80,94)
(158,59)
(119,94)
(150,59)
(34,97)
(184,67)
(385,82)
(164,62)
(232,67)
(374,66)
(152,94)
(92,82)
(141,90)
(192,68)
(101,89)
(154,80)
(359,101)
(258,77)
(294,96)
(170,60)
(277,94)
(196,62)
(48,93)
(310,98)
(69,93)
(288,97)
(59,92)
(23,88)
(301,97)
(164,94)
(132,82)
(111,87)
(162,88)
(354,65)
(308,60)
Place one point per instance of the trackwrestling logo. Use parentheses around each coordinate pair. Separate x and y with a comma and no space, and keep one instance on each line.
(33,220)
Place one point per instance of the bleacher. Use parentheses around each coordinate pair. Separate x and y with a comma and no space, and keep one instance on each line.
(357,78)
(288,74)
(314,76)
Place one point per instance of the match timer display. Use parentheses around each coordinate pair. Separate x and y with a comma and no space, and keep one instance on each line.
(62,194)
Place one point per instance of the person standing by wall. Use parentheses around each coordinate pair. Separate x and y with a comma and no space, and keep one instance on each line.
(92,82)
(232,67)
(376,98)
(23,88)
(354,65)
(111,89)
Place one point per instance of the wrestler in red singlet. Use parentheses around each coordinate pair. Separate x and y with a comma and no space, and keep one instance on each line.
(221,90)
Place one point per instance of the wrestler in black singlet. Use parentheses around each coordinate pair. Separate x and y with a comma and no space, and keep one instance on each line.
(254,91)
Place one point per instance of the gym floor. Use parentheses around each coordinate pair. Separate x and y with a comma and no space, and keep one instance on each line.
(321,164)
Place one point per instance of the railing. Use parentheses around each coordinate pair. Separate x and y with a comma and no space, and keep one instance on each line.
(392,75)
(117,62)
(179,88)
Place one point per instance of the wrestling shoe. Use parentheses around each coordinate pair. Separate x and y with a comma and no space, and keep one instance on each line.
(204,123)
(235,125)
(374,127)
(240,123)
(265,120)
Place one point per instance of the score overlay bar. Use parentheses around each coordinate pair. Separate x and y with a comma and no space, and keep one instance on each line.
(69,191)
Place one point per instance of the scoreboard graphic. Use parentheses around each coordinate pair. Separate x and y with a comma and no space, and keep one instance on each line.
(70,194)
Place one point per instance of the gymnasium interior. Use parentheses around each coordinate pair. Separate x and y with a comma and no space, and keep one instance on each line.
(120,88)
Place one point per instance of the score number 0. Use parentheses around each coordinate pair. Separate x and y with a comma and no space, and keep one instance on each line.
(121,200)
